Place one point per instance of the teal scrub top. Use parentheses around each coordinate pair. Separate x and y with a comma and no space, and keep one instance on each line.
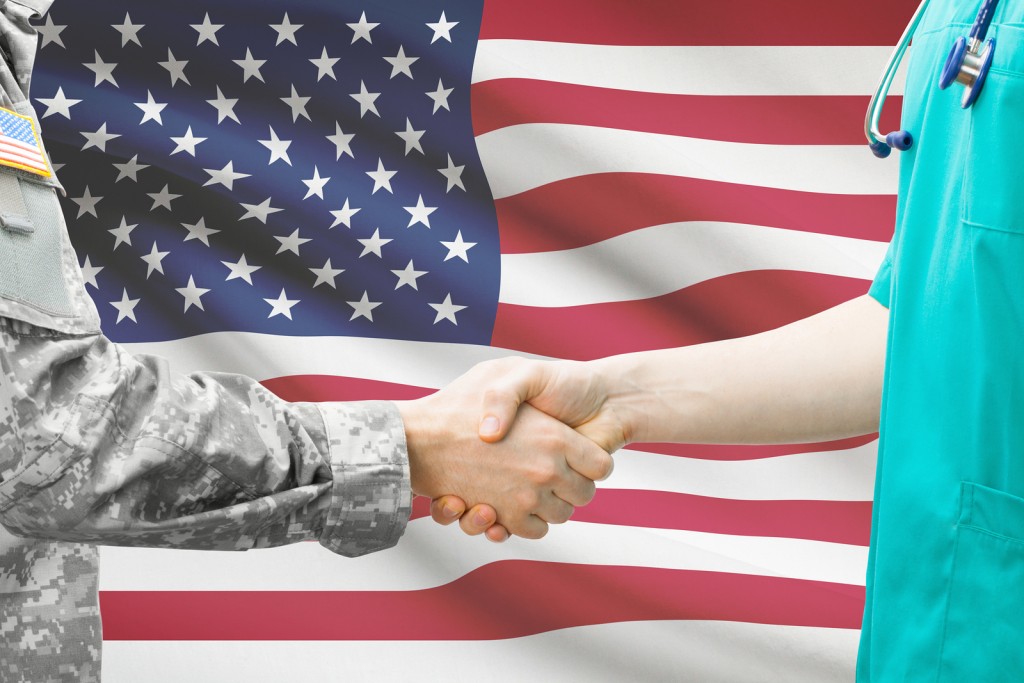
(945,580)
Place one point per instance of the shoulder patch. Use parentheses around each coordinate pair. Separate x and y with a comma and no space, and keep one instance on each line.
(20,146)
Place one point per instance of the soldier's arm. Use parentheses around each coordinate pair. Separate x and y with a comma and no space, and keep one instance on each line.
(98,445)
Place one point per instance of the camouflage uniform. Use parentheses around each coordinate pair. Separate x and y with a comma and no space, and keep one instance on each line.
(98,446)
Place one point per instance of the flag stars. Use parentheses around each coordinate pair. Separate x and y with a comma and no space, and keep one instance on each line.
(99,139)
(411,138)
(104,70)
(342,142)
(291,243)
(87,204)
(381,177)
(193,295)
(366,100)
(453,174)
(458,248)
(187,143)
(400,63)
(176,68)
(240,270)
(374,244)
(440,96)
(408,276)
(122,233)
(207,32)
(278,148)
(199,231)
(419,213)
(225,176)
(286,31)
(51,32)
(297,104)
(344,215)
(250,66)
(162,198)
(442,28)
(129,31)
(315,185)
(125,307)
(325,65)
(446,310)
(154,259)
(363,308)
(58,104)
(225,107)
(151,109)
(282,305)
(129,169)
(89,273)
(326,275)
(258,211)
(361,29)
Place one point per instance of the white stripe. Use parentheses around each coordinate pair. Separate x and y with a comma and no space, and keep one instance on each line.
(830,475)
(522,157)
(666,258)
(715,70)
(431,555)
(265,356)
(708,651)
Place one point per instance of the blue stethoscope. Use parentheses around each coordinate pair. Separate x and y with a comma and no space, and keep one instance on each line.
(968,63)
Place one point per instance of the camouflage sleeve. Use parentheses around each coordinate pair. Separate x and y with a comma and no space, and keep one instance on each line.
(101,446)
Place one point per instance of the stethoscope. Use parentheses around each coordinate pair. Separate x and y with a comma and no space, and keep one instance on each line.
(968,63)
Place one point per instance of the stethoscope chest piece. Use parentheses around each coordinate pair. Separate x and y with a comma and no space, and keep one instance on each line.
(966,65)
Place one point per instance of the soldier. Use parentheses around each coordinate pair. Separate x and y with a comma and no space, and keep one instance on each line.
(98,446)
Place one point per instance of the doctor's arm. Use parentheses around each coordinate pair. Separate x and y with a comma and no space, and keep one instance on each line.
(814,380)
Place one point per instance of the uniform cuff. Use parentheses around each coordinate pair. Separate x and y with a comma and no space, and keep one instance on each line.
(371,497)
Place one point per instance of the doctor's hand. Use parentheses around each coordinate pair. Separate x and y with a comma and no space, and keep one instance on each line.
(572,392)
(539,472)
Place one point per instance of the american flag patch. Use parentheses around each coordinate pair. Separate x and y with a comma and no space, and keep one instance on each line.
(19,144)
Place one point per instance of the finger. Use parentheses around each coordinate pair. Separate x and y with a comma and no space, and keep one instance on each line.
(447,509)
(589,459)
(554,510)
(497,534)
(574,489)
(503,397)
(478,520)
(531,527)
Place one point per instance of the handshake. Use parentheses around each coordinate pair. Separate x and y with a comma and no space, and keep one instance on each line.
(513,445)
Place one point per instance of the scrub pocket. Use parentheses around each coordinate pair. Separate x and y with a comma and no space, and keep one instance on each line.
(983,638)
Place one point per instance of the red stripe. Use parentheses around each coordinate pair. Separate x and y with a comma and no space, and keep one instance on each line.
(768,120)
(722,22)
(813,520)
(722,308)
(333,388)
(587,209)
(746,452)
(531,597)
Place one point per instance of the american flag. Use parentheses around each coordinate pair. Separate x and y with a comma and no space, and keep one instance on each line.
(19,144)
(355,200)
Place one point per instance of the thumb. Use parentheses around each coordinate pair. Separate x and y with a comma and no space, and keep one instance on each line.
(502,400)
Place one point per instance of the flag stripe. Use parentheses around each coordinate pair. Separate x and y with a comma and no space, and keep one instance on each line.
(520,158)
(724,308)
(733,452)
(533,597)
(794,120)
(583,210)
(690,70)
(724,22)
(650,651)
(662,259)
(451,555)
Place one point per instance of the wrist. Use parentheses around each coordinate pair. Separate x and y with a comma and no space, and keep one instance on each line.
(420,439)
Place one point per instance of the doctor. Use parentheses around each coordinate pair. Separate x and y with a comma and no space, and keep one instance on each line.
(932,356)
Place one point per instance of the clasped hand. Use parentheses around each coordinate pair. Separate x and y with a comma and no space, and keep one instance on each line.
(512,446)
